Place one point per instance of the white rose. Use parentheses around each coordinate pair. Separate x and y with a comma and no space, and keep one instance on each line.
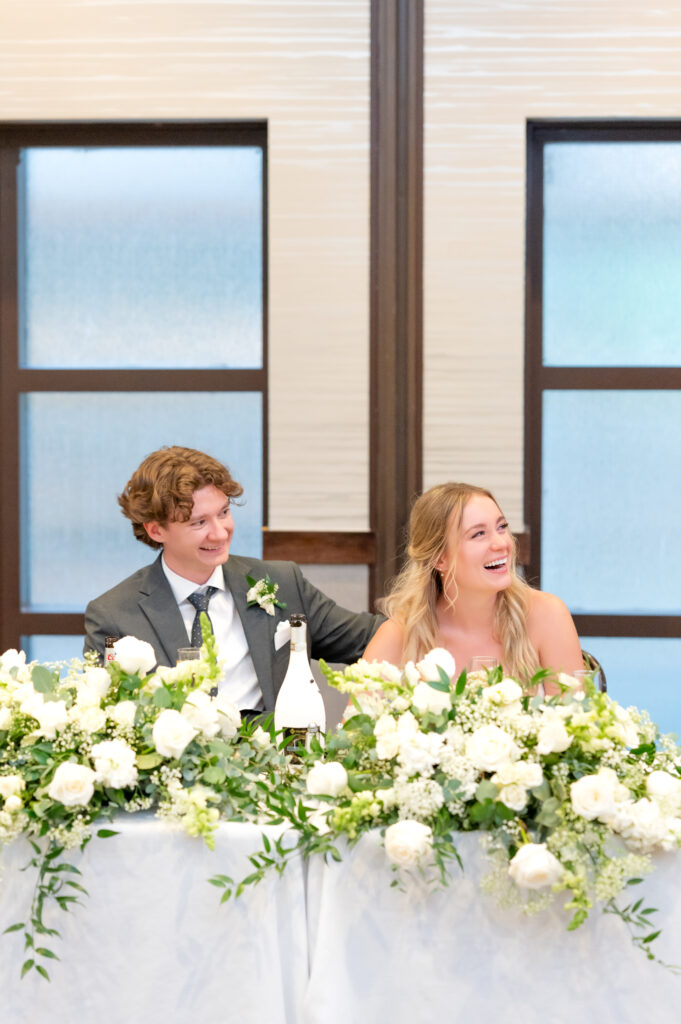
(172,733)
(98,679)
(87,696)
(5,718)
(660,786)
(505,692)
(11,784)
(72,784)
(134,656)
(51,716)
(425,698)
(229,718)
(535,867)
(553,737)
(201,712)
(408,842)
(12,659)
(513,796)
(123,713)
(407,726)
(594,796)
(412,674)
(489,747)
(114,763)
(13,803)
(327,779)
(438,658)
(387,746)
(89,719)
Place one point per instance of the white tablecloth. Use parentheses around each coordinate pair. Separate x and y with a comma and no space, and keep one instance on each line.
(340,946)
(152,944)
(381,955)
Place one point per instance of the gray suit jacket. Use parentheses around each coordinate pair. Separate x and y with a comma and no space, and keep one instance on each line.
(143,606)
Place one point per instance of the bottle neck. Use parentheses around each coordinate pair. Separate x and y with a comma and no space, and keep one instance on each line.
(298,639)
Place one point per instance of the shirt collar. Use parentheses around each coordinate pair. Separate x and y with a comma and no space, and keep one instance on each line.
(182,587)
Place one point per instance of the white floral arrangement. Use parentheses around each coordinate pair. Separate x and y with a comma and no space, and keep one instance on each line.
(91,742)
(572,795)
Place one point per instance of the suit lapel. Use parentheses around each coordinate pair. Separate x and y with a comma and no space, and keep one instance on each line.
(158,604)
(258,626)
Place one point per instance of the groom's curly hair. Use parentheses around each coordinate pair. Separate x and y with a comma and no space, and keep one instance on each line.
(162,488)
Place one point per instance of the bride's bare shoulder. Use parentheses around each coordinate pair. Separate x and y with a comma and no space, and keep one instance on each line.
(387,643)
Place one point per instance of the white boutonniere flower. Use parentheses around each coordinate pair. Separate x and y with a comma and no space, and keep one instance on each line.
(264,594)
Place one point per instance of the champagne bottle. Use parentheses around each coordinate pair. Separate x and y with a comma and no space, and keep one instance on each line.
(109,652)
(299,703)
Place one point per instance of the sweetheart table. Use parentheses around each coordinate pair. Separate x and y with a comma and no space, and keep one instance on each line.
(321,944)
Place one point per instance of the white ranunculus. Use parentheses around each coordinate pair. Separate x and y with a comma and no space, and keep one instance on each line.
(229,717)
(13,803)
(123,713)
(553,737)
(12,659)
(52,716)
(87,696)
(644,827)
(535,867)
(661,786)
(327,779)
(407,726)
(172,733)
(594,796)
(408,842)
(489,747)
(387,746)
(261,739)
(114,763)
(72,784)
(134,656)
(425,698)
(89,719)
(97,679)
(437,658)
(201,713)
(11,784)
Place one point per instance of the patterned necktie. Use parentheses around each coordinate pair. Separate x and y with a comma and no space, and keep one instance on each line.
(200,599)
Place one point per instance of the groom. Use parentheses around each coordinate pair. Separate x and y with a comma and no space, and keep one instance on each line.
(178,501)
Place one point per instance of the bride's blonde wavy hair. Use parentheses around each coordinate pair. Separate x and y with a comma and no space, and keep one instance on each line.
(412,601)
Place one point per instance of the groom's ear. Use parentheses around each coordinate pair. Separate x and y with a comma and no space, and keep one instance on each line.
(155,531)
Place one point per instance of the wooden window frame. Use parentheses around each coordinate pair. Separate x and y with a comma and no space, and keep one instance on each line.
(15,380)
(540,378)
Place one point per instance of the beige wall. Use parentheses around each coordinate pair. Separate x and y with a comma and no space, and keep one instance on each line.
(305,68)
(489,65)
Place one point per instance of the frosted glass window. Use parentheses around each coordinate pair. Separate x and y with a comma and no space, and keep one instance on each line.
(645,671)
(141,257)
(612,254)
(611,494)
(78,452)
(52,648)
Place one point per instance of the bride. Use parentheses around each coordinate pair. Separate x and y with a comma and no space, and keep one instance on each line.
(459,589)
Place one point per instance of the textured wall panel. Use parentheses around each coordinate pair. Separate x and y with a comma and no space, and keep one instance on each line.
(304,67)
(490,65)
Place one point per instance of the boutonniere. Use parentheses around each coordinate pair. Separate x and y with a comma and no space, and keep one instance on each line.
(263,593)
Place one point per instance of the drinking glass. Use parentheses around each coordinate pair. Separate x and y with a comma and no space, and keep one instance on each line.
(482,663)
(588,673)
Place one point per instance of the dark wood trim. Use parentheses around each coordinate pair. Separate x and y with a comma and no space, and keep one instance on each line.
(9,405)
(51,624)
(396,277)
(142,132)
(523,547)
(610,378)
(137,380)
(534,205)
(628,625)
(310,547)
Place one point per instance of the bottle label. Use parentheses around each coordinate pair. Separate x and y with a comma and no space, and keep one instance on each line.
(295,739)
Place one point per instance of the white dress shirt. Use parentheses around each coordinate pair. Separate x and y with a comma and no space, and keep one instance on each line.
(239,682)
